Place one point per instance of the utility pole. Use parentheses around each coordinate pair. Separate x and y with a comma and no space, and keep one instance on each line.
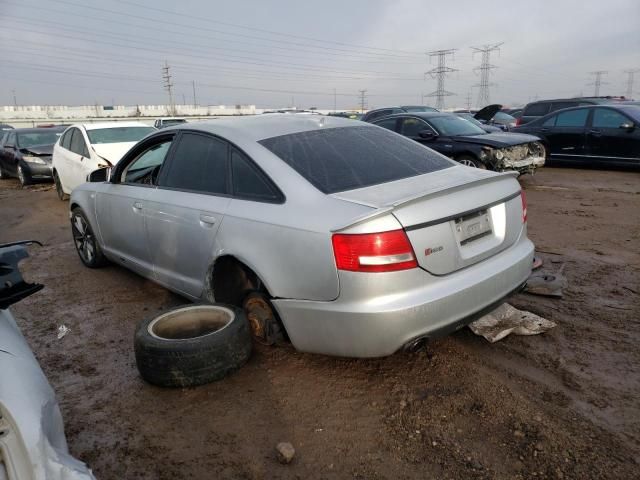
(363,100)
(334,101)
(166,76)
(439,73)
(15,102)
(485,71)
(630,74)
(598,81)
(193,84)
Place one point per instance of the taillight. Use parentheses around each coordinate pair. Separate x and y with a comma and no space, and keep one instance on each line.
(373,252)
(518,121)
(523,197)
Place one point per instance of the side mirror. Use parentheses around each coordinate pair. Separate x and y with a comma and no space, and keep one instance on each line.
(627,126)
(427,134)
(100,175)
(10,146)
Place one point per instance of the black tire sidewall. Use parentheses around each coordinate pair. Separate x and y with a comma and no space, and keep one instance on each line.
(192,362)
(26,174)
(99,259)
(59,191)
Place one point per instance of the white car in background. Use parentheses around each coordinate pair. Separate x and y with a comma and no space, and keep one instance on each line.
(85,147)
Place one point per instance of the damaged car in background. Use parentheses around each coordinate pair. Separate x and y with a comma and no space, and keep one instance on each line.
(467,143)
(32,441)
(368,242)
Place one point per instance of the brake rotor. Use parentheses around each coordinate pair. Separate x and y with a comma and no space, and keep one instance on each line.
(262,318)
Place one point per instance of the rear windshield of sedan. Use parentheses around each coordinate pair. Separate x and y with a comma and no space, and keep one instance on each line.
(118,134)
(31,139)
(339,159)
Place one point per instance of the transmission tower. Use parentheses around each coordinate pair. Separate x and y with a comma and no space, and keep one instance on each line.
(166,77)
(485,71)
(439,73)
(598,81)
(630,74)
(363,100)
(469,100)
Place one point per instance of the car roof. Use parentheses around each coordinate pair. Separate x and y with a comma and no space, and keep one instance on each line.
(260,127)
(37,129)
(425,115)
(94,126)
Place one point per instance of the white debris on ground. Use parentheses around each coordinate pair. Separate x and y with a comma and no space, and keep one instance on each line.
(62,331)
(506,319)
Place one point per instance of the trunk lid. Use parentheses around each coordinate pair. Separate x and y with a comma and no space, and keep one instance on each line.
(454,217)
(488,112)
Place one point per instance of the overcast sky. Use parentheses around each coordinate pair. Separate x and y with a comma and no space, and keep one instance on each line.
(280,53)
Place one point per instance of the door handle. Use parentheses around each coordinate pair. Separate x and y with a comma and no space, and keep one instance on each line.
(137,205)
(207,220)
(544,130)
(595,133)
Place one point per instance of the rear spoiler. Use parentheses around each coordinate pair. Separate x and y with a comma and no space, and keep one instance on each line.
(420,196)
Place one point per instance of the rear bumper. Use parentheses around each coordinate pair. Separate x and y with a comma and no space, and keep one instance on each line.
(377,314)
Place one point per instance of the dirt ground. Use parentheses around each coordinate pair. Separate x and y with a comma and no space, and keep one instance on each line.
(565,404)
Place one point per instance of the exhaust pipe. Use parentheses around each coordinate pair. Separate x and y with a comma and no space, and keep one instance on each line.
(415,345)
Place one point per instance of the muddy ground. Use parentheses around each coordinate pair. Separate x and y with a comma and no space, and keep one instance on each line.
(565,404)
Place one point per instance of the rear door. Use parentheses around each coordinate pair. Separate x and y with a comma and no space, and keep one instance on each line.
(78,153)
(566,134)
(608,142)
(185,212)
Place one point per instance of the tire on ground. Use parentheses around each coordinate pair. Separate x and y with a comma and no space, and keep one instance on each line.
(192,345)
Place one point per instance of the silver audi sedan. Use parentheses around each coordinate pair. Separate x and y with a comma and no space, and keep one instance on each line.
(340,236)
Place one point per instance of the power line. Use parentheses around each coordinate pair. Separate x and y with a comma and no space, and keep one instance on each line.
(598,81)
(484,97)
(166,76)
(630,74)
(363,100)
(439,73)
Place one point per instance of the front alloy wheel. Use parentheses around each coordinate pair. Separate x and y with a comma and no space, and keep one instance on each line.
(23,176)
(85,241)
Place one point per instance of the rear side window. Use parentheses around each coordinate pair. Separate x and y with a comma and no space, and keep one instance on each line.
(65,141)
(572,118)
(78,144)
(199,164)
(560,105)
(249,182)
(536,110)
(339,159)
(378,114)
(388,123)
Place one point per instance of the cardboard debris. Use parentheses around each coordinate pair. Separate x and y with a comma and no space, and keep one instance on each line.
(506,319)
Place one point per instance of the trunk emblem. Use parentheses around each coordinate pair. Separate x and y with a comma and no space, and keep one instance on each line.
(429,251)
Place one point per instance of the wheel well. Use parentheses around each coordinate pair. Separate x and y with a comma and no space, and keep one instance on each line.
(467,154)
(229,280)
(73,205)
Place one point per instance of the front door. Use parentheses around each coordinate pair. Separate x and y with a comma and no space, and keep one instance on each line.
(185,212)
(608,142)
(121,209)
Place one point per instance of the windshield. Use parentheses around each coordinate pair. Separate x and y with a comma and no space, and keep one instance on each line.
(470,118)
(118,134)
(175,121)
(419,109)
(339,159)
(454,126)
(48,137)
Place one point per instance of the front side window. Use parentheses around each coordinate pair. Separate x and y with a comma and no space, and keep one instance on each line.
(572,118)
(344,158)
(78,144)
(118,134)
(248,181)
(199,164)
(11,140)
(607,118)
(550,122)
(145,168)
(379,114)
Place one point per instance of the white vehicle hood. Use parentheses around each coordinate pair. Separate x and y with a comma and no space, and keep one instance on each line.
(34,445)
(112,152)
